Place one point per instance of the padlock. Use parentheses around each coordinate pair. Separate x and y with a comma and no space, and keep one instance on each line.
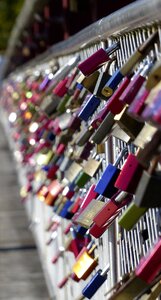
(85,263)
(86,151)
(84,135)
(111,208)
(148,189)
(61,89)
(137,107)
(72,88)
(131,126)
(104,129)
(78,98)
(150,149)
(85,218)
(89,108)
(113,105)
(53,191)
(59,203)
(96,282)
(136,83)
(72,172)
(77,243)
(44,84)
(145,135)
(118,133)
(105,185)
(90,81)
(131,216)
(97,231)
(44,157)
(96,60)
(154,76)
(49,104)
(61,73)
(81,230)
(89,171)
(138,55)
(42,192)
(130,175)
(61,107)
(152,104)
(102,79)
(91,194)
(143,276)
(65,213)
(66,163)
(76,205)
(75,122)
(144,97)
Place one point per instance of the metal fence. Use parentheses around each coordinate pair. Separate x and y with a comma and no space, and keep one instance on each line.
(121,249)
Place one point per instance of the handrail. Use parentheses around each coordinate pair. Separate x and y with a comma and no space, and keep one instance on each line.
(127,18)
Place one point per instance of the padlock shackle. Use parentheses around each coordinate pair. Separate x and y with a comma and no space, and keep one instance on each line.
(121,196)
(123,152)
(112,48)
(105,270)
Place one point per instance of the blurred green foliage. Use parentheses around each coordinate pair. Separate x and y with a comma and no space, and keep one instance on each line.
(9,9)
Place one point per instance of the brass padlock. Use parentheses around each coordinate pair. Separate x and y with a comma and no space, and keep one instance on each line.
(128,124)
(85,263)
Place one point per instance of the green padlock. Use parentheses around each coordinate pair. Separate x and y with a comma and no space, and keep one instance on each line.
(131,216)
(88,172)
(62,105)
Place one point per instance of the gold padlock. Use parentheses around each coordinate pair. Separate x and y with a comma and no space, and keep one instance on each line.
(128,124)
(85,263)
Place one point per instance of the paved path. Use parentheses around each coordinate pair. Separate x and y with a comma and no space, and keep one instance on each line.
(21,276)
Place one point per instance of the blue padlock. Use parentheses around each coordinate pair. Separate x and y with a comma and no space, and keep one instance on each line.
(81,230)
(95,283)
(89,108)
(105,185)
(112,83)
(64,213)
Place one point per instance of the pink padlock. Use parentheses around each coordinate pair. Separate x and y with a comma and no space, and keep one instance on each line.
(61,88)
(130,175)
(138,105)
(96,60)
(136,83)
(150,265)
